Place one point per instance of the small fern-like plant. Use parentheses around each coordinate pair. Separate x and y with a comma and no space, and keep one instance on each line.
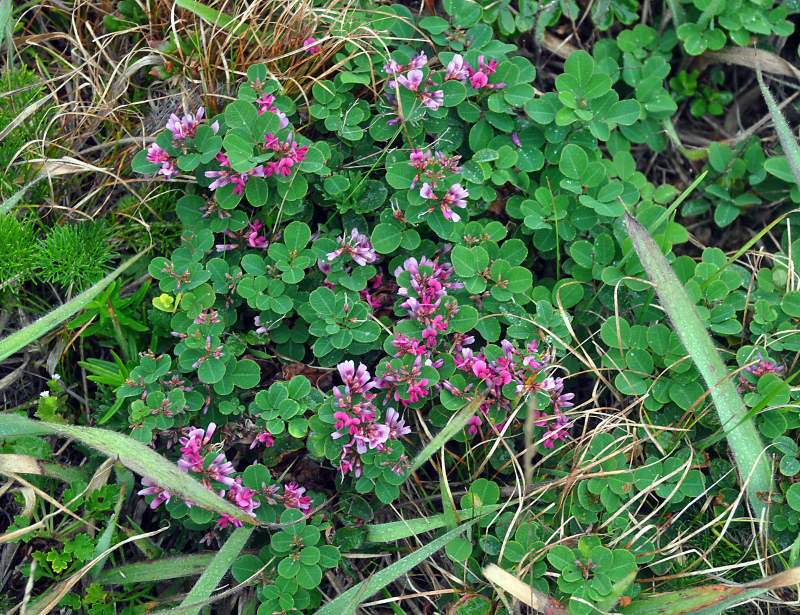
(17,251)
(75,255)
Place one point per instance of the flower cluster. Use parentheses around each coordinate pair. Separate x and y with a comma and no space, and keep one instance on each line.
(758,369)
(411,77)
(480,78)
(357,246)
(433,168)
(265,104)
(289,152)
(186,127)
(356,418)
(202,458)
(158,156)
(250,235)
(424,284)
(224,176)
(525,372)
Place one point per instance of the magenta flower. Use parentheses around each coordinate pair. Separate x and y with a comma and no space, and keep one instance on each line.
(310,46)
(432,100)
(290,153)
(263,437)
(293,497)
(152,489)
(253,238)
(357,246)
(411,81)
(185,127)
(418,61)
(479,80)
(158,156)
(515,139)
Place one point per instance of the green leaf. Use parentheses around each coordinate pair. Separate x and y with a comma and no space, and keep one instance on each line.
(624,112)
(323,301)
(296,235)
(247,374)
(386,238)
(574,160)
(464,261)
(580,65)
(240,114)
(211,370)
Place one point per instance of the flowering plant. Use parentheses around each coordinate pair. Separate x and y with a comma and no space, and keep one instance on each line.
(291,256)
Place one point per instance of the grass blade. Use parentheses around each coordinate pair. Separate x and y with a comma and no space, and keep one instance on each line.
(221,563)
(17,341)
(790,148)
(709,600)
(157,570)
(211,15)
(397,530)
(347,601)
(456,424)
(741,434)
(135,456)
(5,15)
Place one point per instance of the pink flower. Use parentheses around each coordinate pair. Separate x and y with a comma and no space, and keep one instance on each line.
(397,426)
(426,192)
(293,497)
(411,81)
(263,437)
(152,489)
(432,100)
(455,197)
(392,68)
(515,139)
(357,246)
(457,69)
(418,60)
(479,80)
(185,127)
(159,156)
(310,47)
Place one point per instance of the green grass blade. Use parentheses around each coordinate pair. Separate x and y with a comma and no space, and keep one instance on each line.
(742,435)
(157,570)
(222,562)
(104,540)
(457,423)
(212,16)
(5,15)
(346,602)
(17,341)
(17,196)
(135,456)
(785,134)
(398,530)
(710,599)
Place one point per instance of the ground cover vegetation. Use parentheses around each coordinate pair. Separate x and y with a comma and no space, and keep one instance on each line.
(459,307)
